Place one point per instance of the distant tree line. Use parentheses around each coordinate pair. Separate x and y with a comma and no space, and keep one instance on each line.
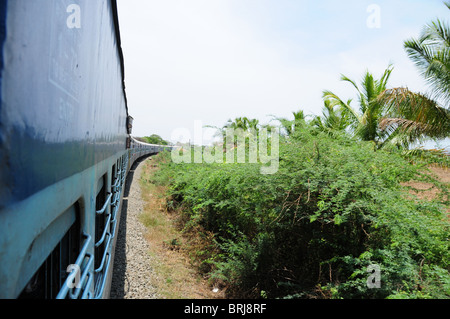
(153,139)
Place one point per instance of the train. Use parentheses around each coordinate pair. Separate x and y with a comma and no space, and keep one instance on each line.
(66,147)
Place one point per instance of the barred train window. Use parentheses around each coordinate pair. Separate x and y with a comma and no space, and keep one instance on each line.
(51,275)
(100,221)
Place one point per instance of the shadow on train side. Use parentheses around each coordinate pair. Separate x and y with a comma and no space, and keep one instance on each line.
(65,148)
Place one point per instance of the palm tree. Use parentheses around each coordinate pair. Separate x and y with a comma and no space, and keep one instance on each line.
(333,119)
(237,123)
(364,120)
(431,54)
(253,124)
(418,115)
(290,126)
(413,116)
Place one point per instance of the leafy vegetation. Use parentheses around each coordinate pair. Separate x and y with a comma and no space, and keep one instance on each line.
(336,205)
(155,139)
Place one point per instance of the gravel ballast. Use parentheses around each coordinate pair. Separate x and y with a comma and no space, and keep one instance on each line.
(132,270)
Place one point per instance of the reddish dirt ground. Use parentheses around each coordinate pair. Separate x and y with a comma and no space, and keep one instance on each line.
(428,191)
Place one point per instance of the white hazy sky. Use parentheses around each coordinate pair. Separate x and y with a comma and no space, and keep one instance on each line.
(212,60)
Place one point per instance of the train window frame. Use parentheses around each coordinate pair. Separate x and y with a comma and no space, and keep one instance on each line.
(48,279)
(100,219)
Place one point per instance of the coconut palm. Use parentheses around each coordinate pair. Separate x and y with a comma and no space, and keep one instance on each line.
(418,115)
(237,123)
(333,119)
(413,116)
(290,126)
(253,124)
(431,54)
(364,120)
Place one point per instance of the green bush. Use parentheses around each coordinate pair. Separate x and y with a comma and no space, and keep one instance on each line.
(333,208)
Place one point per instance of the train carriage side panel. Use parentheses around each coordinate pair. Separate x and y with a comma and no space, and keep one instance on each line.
(63,107)
(62,132)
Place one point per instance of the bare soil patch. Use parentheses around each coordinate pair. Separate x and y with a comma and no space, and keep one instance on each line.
(429,191)
(176,275)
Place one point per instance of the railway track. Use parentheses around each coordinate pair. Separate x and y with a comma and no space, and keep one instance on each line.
(133,269)
(66,146)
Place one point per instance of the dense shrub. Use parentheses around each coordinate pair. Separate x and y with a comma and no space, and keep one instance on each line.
(333,208)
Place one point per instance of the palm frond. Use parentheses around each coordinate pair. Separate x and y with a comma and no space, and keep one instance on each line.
(419,54)
(431,54)
(345,106)
(382,83)
(345,78)
(408,107)
(447,3)
(414,130)
(364,121)
(369,87)
(436,33)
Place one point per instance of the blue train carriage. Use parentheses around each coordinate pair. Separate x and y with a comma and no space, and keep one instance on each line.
(65,147)
(139,149)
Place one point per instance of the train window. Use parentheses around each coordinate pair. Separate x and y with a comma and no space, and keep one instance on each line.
(113,174)
(48,280)
(100,220)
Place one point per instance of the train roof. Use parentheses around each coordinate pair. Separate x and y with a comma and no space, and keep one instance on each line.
(115,15)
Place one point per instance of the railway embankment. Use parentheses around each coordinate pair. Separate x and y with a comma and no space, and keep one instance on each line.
(151,262)
(133,271)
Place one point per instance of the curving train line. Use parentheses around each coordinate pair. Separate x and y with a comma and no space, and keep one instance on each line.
(65,147)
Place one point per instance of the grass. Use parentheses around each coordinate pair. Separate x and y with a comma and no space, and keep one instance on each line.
(176,274)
